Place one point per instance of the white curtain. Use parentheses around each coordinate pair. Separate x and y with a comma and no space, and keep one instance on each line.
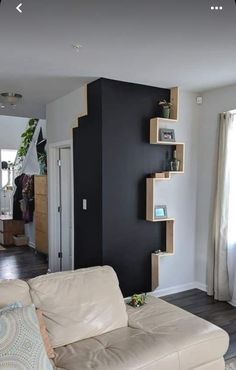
(232,218)
(222,251)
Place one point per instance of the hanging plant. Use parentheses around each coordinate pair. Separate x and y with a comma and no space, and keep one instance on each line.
(27,137)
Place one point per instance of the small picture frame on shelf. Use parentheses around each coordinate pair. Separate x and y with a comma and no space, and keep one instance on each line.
(166,134)
(160,212)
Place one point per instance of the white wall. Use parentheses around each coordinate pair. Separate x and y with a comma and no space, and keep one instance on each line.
(62,115)
(179,194)
(214,102)
(11,129)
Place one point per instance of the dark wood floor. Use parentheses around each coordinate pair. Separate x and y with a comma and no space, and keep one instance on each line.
(21,263)
(221,314)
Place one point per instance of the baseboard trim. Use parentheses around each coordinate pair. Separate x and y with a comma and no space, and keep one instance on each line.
(179,288)
(233,302)
(201,286)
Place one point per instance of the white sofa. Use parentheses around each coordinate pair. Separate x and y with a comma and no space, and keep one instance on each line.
(90,326)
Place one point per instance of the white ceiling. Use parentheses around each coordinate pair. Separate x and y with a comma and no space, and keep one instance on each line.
(155,42)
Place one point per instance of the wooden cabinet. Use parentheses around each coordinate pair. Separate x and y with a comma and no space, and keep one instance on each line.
(41,213)
(8,228)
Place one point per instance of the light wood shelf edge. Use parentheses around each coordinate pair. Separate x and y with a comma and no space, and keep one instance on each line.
(168,143)
(85,103)
(168,175)
(150,199)
(162,220)
(174,99)
(155,264)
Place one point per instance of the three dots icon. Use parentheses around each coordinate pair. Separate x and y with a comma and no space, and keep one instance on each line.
(216,7)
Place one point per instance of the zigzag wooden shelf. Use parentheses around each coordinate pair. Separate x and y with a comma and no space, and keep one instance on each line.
(151,184)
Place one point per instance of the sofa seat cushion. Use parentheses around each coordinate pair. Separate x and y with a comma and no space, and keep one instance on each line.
(197,341)
(79,304)
(121,349)
(12,291)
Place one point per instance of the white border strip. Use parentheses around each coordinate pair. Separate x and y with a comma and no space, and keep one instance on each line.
(178,289)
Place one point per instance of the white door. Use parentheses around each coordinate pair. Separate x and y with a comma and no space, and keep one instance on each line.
(65,208)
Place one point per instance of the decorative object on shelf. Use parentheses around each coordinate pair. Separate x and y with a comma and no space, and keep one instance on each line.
(158,251)
(166,134)
(160,212)
(137,300)
(174,163)
(166,107)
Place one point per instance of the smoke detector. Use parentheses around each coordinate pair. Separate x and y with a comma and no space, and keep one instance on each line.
(76,47)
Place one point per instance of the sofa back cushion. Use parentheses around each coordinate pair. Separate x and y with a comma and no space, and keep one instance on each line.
(12,291)
(79,304)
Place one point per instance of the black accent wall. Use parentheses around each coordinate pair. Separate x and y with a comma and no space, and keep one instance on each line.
(112,158)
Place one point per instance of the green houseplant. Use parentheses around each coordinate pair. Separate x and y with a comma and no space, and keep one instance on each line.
(137,300)
(27,137)
(166,107)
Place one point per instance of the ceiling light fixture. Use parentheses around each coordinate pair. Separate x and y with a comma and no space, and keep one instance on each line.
(11,99)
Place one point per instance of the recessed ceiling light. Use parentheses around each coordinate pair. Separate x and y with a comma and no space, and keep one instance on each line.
(77,46)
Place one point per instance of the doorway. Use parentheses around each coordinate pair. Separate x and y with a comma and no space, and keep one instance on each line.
(60,207)
(20,255)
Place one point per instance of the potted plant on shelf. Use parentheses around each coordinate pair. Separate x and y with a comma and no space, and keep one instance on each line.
(166,107)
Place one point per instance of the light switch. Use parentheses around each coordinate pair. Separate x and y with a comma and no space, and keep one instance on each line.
(85,204)
(199,100)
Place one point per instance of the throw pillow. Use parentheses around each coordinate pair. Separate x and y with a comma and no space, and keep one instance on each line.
(10,307)
(44,334)
(21,344)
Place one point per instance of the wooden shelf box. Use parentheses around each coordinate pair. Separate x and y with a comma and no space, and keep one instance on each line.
(174,111)
(169,251)
(179,146)
(150,199)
